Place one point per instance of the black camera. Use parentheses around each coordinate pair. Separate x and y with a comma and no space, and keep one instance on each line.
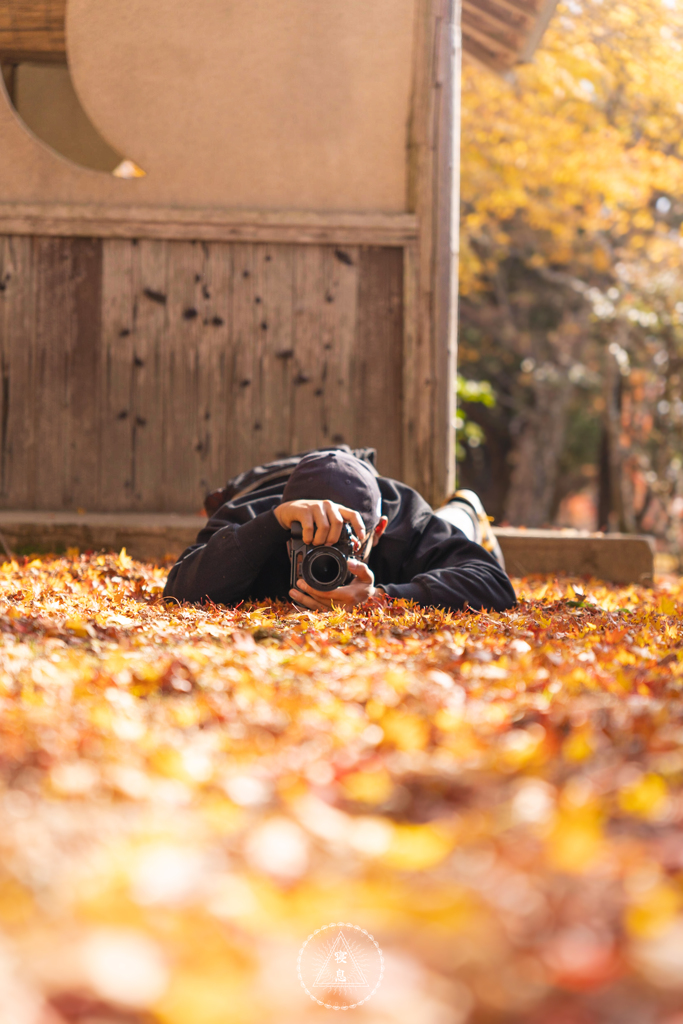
(323,567)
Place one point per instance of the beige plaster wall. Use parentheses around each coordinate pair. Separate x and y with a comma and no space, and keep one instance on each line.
(272,104)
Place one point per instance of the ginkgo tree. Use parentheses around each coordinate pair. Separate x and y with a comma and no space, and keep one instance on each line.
(571,284)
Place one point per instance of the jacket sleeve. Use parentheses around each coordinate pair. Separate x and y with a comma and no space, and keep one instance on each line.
(226,560)
(446,570)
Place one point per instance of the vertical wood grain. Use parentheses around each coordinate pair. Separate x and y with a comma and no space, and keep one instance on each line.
(306,368)
(274,297)
(179,371)
(117,370)
(338,340)
(138,375)
(244,363)
(377,364)
(433,171)
(419,395)
(447,247)
(414,411)
(17,391)
(53,326)
(82,368)
(150,334)
(56,413)
(216,382)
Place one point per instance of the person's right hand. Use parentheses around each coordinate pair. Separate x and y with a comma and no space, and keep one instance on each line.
(321,521)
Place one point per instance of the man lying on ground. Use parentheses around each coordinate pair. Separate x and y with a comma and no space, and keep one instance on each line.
(402,548)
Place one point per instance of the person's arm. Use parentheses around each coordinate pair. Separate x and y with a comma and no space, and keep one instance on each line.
(445,570)
(226,559)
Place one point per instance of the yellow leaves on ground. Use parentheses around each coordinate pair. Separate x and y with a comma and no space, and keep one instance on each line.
(653,910)
(406,731)
(368,787)
(187,793)
(416,847)
(579,746)
(645,797)
(576,841)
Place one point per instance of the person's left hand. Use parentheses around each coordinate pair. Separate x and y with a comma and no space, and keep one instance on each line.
(358,592)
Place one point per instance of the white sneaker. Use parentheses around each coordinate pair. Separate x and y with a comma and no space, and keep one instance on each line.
(467,503)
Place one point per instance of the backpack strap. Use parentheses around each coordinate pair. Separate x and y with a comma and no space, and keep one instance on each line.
(262,476)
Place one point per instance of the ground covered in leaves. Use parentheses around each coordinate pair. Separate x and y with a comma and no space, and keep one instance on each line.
(187,793)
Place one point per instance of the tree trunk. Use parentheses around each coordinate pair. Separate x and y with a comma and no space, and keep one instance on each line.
(613,510)
(536,456)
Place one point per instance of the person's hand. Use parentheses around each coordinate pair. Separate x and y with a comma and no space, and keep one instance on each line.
(362,589)
(321,521)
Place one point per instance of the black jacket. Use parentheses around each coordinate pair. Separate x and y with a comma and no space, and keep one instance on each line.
(241,553)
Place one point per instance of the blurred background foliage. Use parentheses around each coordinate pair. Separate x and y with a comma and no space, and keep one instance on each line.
(571,282)
(468,433)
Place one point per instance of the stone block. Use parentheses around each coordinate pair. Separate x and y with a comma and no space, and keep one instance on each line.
(146,535)
(615,557)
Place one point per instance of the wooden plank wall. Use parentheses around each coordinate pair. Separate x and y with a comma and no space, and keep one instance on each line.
(138,375)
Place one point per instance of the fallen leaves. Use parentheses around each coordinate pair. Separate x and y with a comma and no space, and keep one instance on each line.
(188,792)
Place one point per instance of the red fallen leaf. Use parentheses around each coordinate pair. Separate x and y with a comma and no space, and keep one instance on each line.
(581,961)
(82,1008)
(177,679)
(613,636)
(557,1011)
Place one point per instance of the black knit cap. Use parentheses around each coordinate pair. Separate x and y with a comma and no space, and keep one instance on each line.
(340,477)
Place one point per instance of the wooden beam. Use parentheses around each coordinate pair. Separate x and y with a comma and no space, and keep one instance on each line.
(501,33)
(32,30)
(482,59)
(526,10)
(499,20)
(487,40)
(73,220)
(538,28)
(484,56)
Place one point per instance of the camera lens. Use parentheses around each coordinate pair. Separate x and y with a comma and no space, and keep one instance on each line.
(325,569)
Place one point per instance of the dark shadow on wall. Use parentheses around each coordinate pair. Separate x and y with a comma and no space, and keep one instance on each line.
(45,100)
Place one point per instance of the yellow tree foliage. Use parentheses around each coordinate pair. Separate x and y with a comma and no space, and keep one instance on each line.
(583,143)
(572,186)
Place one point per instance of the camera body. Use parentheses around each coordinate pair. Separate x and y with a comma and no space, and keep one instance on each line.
(323,567)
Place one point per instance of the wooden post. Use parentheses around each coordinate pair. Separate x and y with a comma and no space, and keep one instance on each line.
(430,268)
(449,256)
